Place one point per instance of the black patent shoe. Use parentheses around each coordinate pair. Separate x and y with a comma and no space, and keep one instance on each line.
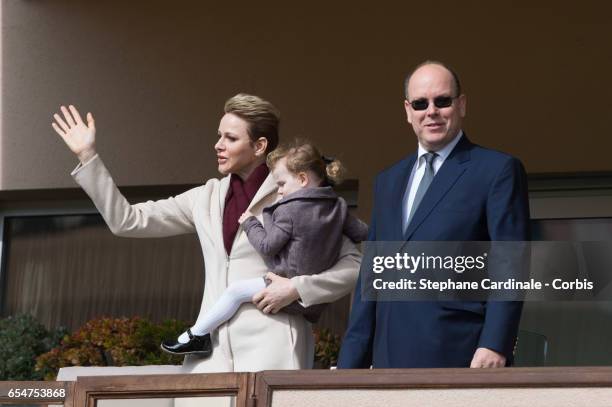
(197,345)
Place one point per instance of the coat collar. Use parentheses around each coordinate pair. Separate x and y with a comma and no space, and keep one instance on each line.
(268,187)
(224,185)
(306,193)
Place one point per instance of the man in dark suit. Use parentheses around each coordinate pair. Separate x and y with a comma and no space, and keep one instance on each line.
(450,190)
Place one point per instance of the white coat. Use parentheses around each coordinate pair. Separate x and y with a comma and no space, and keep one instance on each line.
(250,340)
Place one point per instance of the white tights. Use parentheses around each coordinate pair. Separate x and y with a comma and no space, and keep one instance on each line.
(235,295)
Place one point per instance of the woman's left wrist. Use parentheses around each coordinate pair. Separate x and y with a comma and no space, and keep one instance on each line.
(295,294)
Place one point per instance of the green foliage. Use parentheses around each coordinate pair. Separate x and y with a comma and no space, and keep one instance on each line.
(29,352)
(22,339)
(327,348)
(112,342)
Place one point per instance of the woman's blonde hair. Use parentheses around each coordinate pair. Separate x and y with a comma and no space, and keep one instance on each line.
(302,156)
(263,118)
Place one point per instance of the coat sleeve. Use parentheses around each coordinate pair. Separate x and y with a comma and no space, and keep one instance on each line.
(166,217)
(507,220)
(334,283)
(268,240)
(355,229)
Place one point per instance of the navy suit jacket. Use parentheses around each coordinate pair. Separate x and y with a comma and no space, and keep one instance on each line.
(477,195)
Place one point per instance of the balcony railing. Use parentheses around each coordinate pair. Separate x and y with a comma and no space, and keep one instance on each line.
(517,387)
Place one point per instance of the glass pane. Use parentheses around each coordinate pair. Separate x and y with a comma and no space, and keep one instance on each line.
(65,270)
(569,333)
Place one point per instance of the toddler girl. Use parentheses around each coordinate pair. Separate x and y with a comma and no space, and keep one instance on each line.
(301,234)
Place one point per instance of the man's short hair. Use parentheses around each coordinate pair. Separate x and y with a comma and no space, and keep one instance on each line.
(457,84)
(262,117)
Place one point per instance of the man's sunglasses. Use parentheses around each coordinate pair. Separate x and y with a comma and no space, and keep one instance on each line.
(439,102)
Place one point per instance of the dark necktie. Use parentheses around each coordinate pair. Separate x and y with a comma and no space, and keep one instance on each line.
(423,185)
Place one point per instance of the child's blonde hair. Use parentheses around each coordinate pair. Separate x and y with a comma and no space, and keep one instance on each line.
(302,156)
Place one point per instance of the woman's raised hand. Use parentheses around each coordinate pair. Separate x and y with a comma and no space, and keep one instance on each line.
(77,135)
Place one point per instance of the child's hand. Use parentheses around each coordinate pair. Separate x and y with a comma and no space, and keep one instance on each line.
(244,217)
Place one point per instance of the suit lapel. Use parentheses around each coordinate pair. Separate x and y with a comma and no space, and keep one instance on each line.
(397,197)
(448,174)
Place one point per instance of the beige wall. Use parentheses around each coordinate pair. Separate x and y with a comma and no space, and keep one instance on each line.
(156,74)
(500,397)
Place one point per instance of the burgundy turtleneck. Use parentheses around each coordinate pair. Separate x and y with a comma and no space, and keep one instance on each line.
(239,196)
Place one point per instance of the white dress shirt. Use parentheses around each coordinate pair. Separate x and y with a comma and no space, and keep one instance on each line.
(419,169)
